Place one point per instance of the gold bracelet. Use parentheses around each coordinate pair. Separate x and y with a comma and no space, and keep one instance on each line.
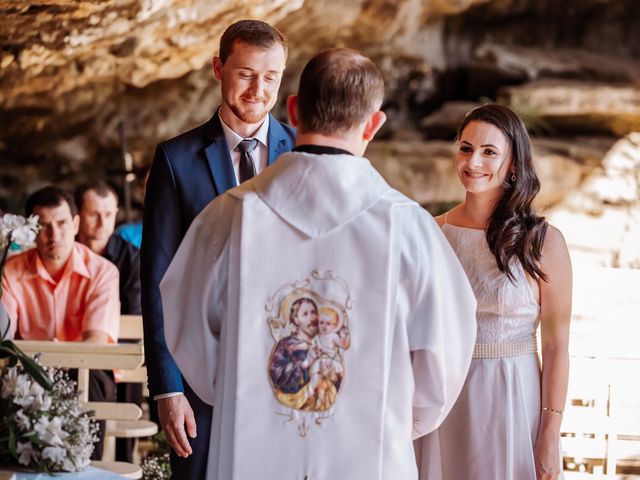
(552,410)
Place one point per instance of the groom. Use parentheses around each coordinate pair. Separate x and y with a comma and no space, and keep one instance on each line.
(321,223)
(187,173)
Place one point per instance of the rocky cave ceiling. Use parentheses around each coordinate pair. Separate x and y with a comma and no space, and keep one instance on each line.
(72,71)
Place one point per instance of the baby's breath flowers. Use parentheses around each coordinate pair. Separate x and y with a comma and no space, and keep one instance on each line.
(46,430)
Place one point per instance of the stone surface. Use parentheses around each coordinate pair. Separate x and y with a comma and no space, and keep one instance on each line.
(620,184)
(601,220)
(424,171)
(72,71)
(67,83)
(421,170)
(579,105)
(532,63)
(135,42)
(445,121)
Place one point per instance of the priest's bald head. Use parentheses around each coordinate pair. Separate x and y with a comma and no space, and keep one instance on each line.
(338,101)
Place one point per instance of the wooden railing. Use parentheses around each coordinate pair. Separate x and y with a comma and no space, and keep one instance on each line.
(601,425)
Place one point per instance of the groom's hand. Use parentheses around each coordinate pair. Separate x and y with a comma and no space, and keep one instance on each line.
(174,413)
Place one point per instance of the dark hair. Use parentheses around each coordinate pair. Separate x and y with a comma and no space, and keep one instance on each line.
(50,196)
(338,89)
(251,32)
(101,188)
(295,306)
(514,229)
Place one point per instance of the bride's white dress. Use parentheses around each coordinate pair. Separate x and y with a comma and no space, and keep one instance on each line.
(491,431)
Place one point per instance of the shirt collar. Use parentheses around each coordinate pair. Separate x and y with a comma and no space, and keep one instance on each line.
(110,249)
(321,150)
(75,264)
(233,139)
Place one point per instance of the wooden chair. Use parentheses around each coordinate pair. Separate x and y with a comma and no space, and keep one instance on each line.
(586,426)
(131,329)
(601,425)
(87,356)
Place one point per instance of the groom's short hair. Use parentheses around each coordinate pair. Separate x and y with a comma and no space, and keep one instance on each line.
(251,32)
(338,89)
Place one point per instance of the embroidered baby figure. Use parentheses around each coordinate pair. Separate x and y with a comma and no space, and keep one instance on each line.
(327,372)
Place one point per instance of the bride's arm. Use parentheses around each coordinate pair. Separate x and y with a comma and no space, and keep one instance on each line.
(555,313)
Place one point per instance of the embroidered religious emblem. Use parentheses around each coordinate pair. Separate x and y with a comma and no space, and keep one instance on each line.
(310,327)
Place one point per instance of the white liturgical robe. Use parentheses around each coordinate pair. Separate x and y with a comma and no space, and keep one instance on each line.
(325,317)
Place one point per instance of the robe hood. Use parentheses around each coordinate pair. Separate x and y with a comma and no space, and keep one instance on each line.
(318,193)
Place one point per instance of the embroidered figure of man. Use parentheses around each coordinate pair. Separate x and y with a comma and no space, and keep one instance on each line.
(293,355)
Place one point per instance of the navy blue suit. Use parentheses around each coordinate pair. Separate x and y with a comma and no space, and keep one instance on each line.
(188,172)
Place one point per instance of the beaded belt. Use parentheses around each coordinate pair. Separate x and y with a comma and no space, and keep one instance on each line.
(505,349)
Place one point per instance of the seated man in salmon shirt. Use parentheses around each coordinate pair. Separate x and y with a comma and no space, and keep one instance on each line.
(61,290)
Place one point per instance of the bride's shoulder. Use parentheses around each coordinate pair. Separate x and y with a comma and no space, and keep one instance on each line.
(444,217)
(441,219)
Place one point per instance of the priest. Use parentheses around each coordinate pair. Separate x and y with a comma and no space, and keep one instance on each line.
(321,312)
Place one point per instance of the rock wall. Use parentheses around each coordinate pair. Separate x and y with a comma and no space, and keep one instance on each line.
(72,72)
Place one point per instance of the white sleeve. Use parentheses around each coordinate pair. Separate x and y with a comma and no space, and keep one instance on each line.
(192,290)
(441,321)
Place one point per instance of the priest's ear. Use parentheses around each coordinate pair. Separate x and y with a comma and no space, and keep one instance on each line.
(292,110)
(373,124)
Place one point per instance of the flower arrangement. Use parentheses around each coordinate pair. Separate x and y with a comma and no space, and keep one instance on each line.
(45,429)
(43,425)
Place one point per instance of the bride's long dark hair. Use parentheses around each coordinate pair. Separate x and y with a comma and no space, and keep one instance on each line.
(514,230)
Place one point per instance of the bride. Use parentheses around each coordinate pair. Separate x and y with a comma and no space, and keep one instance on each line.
(506,422)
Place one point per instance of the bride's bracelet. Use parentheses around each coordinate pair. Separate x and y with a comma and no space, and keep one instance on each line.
(552,410)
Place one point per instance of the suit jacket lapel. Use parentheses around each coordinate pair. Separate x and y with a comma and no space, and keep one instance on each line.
(218,156)
(277,140)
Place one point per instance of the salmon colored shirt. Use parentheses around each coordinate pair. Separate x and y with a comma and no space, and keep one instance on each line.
(85,298)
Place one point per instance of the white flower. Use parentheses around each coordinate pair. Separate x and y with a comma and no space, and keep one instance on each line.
(23,236)
(26,453)
(23,232)
(33,222)
(9,382)
(36,389)
(24,402)
(55,454)
(40,400)
(16,385)
(50,431)
(68,465)
(22,420)
(11,222)
(41,403)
